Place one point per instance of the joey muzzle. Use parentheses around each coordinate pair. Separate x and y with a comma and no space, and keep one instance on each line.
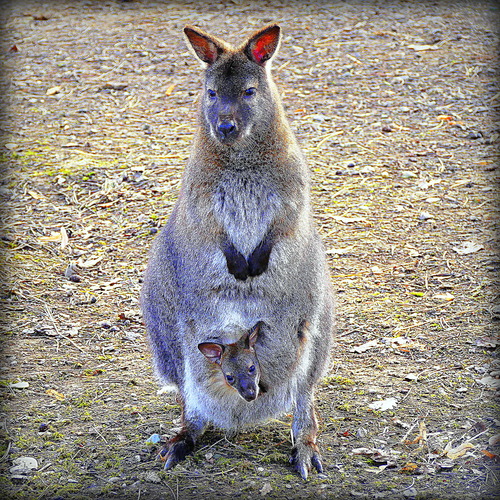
(248,391)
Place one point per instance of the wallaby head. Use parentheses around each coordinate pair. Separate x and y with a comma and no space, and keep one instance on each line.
(238,363)
(239,98)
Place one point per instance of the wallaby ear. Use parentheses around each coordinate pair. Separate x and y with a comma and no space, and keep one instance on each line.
(206,47)
(213,352)
(262,45)
(253,335)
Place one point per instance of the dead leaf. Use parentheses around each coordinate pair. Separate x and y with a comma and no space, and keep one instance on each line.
(19,385)
(53,236)
(421,47)
(422,434)
(54,394)
(36,195)
(347,220)
(267,488)
(444,296)
(457,452)
(339,251)
(468,247)
(170,89)
(384,404)
(494,440)
(488,381)
(89,262)
(488,342)
(54,90)
(376,454)
(367,345)
(489,454)
(64,238)
(408,468)
(113,86)
(447,118)
(14,49)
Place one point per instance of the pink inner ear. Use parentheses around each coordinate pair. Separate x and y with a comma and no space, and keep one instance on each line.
(260,51)
(206,50)
(212,352)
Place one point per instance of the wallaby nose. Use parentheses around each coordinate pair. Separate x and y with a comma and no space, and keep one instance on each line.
(250,396)
(249,393)
(226,129)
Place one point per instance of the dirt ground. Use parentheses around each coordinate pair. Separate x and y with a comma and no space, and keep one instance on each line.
(394,104)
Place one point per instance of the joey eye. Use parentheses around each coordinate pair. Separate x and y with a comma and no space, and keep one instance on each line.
(230,379)
(250,92)
(211,94)
(251,369)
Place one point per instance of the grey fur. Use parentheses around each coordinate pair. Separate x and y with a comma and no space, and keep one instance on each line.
(246,184)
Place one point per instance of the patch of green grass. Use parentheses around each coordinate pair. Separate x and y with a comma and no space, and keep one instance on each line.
(337,379)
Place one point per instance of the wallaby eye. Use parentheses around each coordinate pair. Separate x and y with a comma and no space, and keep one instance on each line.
(230,379)
(250,92)
(211,94)
(251,369)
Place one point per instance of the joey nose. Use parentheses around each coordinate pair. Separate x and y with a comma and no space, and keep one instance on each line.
(249,393)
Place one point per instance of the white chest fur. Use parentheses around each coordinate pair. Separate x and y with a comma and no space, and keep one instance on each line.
(245,207)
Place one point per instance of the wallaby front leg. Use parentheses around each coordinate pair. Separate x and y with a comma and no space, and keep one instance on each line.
(259,258)
(236,262)
(305,452)
(182,444)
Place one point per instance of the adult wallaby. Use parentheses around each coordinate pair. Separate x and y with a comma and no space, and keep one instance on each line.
(240,249)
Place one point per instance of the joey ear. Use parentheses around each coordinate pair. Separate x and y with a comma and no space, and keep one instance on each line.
(253,335)
(213,352)
(207,48)
(263,44)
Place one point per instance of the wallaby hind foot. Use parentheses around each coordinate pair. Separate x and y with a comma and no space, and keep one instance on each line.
(182,444)
(304,457)
(305,452)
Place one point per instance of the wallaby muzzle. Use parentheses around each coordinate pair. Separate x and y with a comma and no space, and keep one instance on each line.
(248,391)
(227,130)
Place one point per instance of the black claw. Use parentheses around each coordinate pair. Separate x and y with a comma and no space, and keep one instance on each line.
(316,462)
(175,452)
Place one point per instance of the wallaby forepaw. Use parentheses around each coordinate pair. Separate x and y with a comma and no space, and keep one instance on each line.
(304,458)
(175,452)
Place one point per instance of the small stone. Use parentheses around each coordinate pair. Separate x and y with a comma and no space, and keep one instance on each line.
(425,216)
(19,385)
(445,465)
(43,427)
(153,439)
(474,135)
(361,433)
(410,492)
(408,175)
(23,465)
